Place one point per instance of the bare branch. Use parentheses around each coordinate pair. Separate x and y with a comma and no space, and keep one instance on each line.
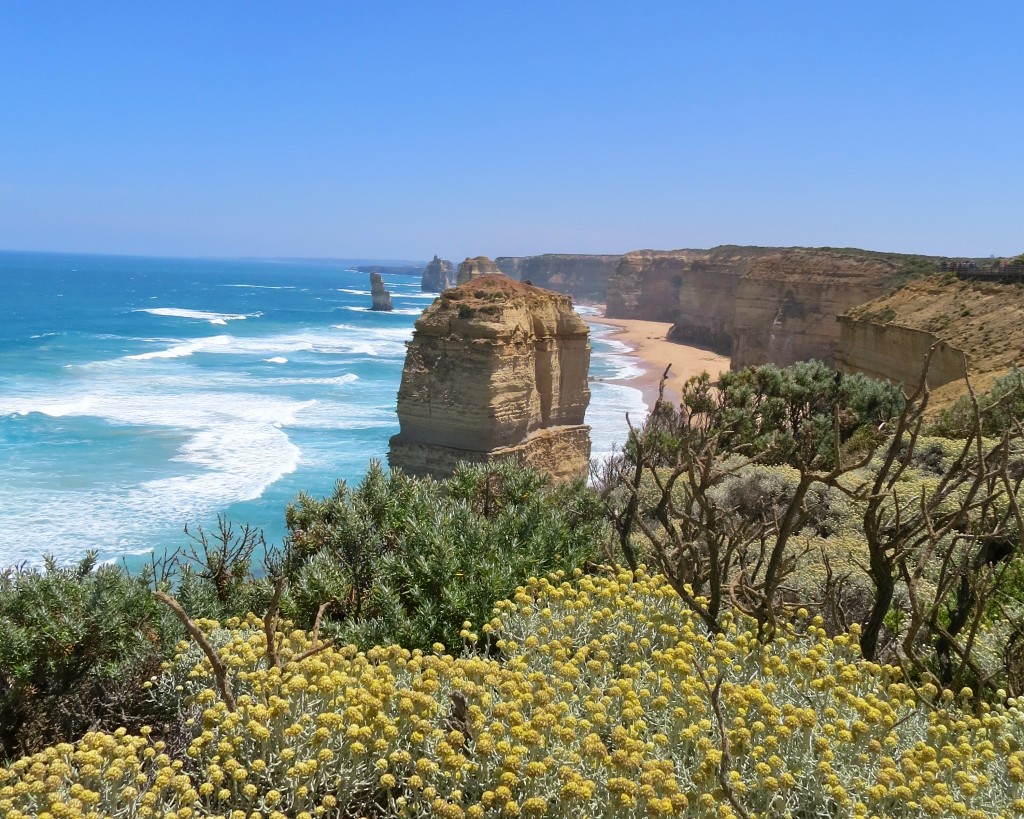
(220,671)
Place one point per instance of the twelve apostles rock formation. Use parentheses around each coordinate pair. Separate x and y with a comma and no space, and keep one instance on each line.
(474,268)
(439,275)
(495,369)
(381,297)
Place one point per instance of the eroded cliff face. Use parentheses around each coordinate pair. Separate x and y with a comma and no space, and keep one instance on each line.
(696,289)
(787,304)
(895,353)
(381,297)
(475,268)
(438,275)
(975,325)
(757,305)
(581,276)
(495,369)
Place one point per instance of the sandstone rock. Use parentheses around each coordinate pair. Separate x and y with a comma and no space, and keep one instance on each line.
(476,267)
(694,288)
(439,275)
(975,326)
(758,305)
(897,354)
(381,297)
(787,303)
(579,275)
(495,369)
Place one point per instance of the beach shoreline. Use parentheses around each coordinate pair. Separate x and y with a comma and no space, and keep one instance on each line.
(654,352)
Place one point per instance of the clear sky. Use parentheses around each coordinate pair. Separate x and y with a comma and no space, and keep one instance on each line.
(397,130)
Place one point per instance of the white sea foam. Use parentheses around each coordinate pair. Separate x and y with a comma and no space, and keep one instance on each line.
(392,333)
(614,344)
(199,345)
(626,367)
(54,409)
(334,381)
(347,340)
(337,416)
(233,447)
(263,286)
(398,311)
(354,292)
(200,315)
(609,404)
(277,359)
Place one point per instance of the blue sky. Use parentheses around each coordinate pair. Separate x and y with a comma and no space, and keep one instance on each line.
(399,130)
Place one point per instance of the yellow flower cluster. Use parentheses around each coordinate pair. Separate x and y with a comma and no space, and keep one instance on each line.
(608,699)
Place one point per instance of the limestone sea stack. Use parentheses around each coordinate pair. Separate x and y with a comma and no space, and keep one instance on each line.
(381,297)
(495,369)
(476,267)
(439,275)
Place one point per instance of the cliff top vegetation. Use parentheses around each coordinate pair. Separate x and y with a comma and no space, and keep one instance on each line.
(835,629)
(491,301)
(888,270)
(983,319)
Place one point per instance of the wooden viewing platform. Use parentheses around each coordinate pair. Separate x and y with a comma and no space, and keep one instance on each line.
(998,270)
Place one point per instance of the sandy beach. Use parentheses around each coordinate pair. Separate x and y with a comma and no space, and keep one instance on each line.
(655,352)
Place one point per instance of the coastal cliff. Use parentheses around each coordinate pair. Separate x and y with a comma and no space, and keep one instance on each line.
(582,276)
(380,296)
(755,304)
(975,326)
(495,369)
(787,304)
(438,275)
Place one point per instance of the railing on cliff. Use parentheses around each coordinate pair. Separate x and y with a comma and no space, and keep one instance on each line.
(999,270)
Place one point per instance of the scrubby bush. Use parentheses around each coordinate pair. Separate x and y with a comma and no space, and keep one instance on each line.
(609,699)
(752,499)
(405,560)
(394,560)
(76,642)
(795,412)
(1001,408)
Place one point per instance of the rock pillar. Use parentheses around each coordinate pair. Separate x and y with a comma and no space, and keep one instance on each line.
(495,369)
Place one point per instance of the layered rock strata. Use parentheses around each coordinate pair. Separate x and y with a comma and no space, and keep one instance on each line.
(495,369)
(896,353)
(757,305)
(381,297)
(975,328)
(475,268)
(438,275)
(581,276)
(787,304)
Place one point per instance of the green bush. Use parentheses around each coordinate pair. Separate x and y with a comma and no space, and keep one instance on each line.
(75,645)
(792,411)
(1000,407)
(405,560)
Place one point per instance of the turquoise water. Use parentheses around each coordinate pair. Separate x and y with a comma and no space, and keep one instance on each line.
(138,395)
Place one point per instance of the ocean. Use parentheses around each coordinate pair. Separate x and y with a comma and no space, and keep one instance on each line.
(141,395)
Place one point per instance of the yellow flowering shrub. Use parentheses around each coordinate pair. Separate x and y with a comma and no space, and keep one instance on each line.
(601,703)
